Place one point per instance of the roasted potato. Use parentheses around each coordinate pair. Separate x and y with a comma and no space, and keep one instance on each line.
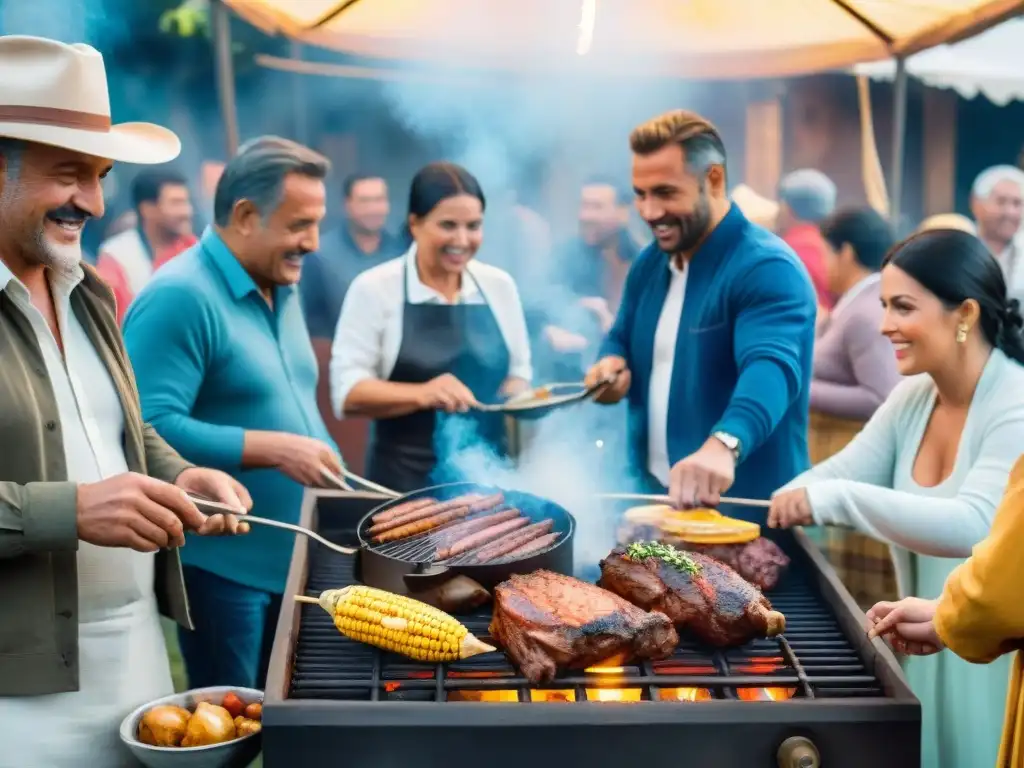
(209,724)
(244,726)
(164,726)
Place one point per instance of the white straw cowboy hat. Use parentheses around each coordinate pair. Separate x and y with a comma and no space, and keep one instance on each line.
(54,93)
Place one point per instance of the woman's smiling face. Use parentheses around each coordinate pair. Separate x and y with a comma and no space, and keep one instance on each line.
(919,326)
(449,236)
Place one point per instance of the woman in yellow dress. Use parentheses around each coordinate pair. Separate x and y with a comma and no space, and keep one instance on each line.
(980,615)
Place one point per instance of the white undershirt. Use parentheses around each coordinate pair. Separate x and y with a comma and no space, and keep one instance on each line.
(369,333)
(122,658)
(661,375)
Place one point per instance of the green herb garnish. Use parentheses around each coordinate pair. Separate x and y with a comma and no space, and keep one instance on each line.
(645,550)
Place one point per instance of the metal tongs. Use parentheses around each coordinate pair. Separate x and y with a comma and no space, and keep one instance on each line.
(336,483)
(547,397)
(210,507)
(663,499)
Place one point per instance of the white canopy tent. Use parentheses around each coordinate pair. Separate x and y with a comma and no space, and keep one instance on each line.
(991,64)
(694,39)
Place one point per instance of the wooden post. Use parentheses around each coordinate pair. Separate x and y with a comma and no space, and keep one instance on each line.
(940,110)
(764,142)
(225,73)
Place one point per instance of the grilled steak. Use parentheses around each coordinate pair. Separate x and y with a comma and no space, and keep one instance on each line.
(760,561)
(546,621)
(695,591)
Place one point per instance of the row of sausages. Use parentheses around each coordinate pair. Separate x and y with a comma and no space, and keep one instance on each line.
(491,534)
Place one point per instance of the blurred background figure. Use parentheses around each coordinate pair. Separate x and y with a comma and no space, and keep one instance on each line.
(163,229)
(361,242)
(806,198)
(948,221)
(588,273)
(854,372)
(997,203)
(758,209)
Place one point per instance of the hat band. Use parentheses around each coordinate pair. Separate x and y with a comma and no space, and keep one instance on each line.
(61,118)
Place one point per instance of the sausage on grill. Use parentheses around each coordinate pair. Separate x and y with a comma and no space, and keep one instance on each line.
(421,514)
(527,549)
(488,502)
(417,527)
(478,539)
(452,533)
(512,541)
(401,509)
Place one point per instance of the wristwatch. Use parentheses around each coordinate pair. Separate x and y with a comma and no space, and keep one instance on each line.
(729,441)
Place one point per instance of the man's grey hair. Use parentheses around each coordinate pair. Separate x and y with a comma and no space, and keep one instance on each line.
(809,193)
(987,180)
(257,174)
(12,151)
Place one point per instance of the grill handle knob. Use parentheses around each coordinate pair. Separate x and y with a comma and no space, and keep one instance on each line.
(798,752)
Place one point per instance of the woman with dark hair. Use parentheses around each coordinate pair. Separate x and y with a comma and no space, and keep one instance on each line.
(424,339)
(929,469)
(854,371)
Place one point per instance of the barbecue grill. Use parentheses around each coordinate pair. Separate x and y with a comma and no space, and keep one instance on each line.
(822,694)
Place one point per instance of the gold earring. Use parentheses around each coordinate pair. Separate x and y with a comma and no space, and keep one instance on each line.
(961,333)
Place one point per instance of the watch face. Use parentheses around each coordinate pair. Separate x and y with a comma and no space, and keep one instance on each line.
(728,440)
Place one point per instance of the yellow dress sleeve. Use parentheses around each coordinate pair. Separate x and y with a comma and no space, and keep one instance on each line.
(980,615)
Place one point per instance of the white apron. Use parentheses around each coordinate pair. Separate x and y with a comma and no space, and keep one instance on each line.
(122,657)
(123,664)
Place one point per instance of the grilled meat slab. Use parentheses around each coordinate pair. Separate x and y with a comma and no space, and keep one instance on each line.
(761,561)
(546,621)
(714,603)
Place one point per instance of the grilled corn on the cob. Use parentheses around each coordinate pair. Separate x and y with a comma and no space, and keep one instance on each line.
(397,623)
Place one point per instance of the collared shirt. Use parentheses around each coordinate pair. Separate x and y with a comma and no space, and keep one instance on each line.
(369,332)
(118,620)
(328,273)
(92,425)
(213,359)
(665,337)
(127,262)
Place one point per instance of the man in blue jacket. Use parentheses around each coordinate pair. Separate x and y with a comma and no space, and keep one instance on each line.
(713,341)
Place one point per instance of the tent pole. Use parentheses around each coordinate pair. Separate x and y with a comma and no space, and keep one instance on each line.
(899,133)
(299,106)
(225,73)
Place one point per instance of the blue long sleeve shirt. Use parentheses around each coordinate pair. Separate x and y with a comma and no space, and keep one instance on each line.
(213,360)
(743,354)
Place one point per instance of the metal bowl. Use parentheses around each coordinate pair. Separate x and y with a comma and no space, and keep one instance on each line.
(237,753)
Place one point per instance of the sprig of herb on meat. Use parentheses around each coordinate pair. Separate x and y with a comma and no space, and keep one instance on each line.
(645,550)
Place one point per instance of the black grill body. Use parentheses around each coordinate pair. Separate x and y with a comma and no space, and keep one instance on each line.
(332,699)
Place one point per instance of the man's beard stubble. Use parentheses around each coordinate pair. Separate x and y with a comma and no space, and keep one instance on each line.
(35,246)
(694,227)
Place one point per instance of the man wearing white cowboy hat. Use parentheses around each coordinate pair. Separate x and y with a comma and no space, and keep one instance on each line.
(92,502)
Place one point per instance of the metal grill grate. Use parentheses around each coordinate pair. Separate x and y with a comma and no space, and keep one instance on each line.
(813,660)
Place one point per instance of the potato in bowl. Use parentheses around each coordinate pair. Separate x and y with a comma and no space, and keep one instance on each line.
(203,728)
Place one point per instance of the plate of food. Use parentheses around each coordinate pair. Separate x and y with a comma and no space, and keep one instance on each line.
(538,402)
(203,728)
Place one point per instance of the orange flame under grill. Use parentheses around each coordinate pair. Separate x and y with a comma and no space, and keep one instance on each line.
(607,687)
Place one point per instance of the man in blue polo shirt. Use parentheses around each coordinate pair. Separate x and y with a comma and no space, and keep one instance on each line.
(226,373)
(714,337)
